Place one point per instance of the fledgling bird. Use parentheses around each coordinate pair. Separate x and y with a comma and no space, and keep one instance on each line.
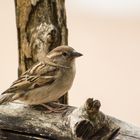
(46,81)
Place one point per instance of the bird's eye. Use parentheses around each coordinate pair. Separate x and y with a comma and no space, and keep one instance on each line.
(65,54)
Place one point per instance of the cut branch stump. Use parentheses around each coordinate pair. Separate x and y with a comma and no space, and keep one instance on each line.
(20,122)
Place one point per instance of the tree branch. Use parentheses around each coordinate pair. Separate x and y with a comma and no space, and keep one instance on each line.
(85,122)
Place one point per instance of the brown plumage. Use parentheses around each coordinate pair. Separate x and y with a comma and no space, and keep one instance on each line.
(46,81)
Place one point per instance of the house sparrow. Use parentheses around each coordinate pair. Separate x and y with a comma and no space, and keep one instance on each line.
(46,81)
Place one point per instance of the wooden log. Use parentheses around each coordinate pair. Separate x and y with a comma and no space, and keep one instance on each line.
(18,121)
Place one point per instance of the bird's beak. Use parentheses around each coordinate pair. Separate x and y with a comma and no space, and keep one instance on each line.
(76,54)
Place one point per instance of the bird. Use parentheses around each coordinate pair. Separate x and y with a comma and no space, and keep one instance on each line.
(46,81)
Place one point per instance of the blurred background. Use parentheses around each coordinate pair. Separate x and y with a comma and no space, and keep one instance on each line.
(107,32)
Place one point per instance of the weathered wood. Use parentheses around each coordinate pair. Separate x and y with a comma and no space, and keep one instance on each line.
(67,125)
(41,26)
(127,131)
(87,122)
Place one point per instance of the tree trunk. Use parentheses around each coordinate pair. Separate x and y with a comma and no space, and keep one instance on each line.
(41,26)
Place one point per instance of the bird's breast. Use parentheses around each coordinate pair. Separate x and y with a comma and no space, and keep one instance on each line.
(67,78)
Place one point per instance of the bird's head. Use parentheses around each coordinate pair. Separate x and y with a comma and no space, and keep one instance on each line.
(63,55)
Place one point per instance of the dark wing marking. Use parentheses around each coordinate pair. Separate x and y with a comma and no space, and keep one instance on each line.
(37,76)
(29,82)
(41,68)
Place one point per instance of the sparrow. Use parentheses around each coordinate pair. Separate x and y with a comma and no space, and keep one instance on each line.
(46,81)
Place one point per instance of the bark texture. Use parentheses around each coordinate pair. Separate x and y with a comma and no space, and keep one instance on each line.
(41,26)
(73,123)
(22,122)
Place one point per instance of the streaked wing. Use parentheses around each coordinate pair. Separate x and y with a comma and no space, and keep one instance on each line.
(29,82)
(42,68)
(39,75)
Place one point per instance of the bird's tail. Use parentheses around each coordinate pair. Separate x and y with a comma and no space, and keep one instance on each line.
(5,98)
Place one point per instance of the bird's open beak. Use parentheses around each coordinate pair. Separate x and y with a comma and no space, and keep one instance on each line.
(76,54)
